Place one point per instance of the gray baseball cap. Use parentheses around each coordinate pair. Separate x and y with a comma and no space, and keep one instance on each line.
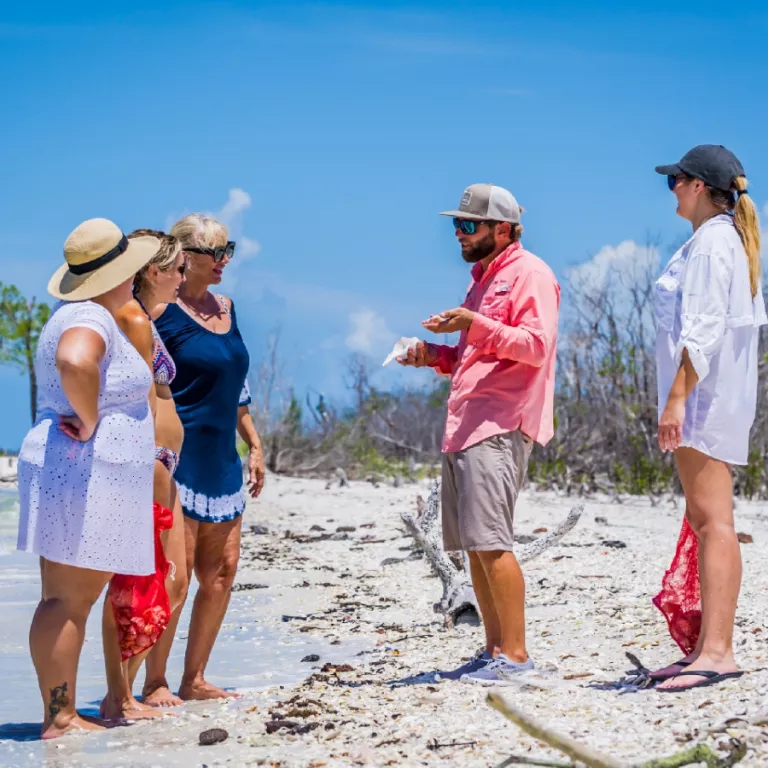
(486,202)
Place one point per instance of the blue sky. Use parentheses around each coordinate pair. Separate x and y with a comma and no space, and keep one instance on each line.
(331,135)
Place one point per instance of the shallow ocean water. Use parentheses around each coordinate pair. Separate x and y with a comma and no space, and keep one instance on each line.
(254,652)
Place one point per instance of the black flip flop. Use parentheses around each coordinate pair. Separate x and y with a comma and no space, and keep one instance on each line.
(712,678)
(662,678)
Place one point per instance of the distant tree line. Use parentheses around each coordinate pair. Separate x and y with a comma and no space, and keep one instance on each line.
(605,401)
(378,433)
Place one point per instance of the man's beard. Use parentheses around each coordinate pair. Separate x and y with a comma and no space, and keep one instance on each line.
(480,250)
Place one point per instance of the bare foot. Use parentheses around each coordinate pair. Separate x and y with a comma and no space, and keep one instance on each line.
(721,666)
(126,709)
(666,672)
(160,696)
(67,724)
(200,690)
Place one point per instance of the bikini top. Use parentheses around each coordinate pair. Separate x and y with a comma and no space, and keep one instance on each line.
(162,363)
(224,304)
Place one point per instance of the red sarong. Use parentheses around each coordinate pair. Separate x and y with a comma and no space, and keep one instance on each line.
(680,596)
(140,603)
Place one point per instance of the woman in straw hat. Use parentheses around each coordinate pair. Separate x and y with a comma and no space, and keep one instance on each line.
(85,467)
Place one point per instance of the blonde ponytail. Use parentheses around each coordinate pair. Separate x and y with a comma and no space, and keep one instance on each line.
(748,226)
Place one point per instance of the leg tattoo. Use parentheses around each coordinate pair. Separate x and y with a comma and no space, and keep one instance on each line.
(59,700)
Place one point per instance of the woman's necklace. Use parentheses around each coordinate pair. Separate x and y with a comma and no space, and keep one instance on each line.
(205,317)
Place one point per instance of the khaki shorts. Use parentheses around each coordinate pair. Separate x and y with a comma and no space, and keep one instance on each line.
(479,489)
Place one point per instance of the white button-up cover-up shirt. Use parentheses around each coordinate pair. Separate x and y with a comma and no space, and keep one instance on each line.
(703,303)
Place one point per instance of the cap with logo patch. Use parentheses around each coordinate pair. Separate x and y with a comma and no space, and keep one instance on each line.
(713,164)
(486,202)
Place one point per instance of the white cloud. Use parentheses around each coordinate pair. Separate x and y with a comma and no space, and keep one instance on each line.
(237,202)
(626,262)
(368,331)
(616,279)
(247,247)
(231,214)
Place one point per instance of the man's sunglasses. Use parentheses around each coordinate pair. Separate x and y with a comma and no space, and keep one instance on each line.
(218,254)
(467,227)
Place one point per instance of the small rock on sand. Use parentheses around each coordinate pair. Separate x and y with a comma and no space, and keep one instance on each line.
(213,736)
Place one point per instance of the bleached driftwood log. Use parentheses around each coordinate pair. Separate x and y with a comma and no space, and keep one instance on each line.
(458,596)
(565,744)
(692,755)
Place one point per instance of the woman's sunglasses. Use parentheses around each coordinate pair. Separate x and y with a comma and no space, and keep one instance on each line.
(672,180)
(218,254)
(466,227)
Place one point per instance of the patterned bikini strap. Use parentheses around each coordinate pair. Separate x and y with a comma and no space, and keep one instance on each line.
(138,301)
(223,303)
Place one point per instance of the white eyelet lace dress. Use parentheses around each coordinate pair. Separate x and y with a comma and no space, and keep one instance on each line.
(704,304)
(90,504)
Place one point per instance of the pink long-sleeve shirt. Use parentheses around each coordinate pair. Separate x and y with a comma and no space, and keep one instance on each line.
(503,368)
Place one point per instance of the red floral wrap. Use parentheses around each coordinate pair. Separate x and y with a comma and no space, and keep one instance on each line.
(140,603)
(680,596)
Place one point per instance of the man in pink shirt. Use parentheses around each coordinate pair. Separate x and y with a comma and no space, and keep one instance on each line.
(501,402)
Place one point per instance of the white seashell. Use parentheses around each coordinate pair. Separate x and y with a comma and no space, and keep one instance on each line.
(402,345)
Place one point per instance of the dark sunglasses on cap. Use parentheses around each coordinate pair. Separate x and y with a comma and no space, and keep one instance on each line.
(218,254)
(467,227)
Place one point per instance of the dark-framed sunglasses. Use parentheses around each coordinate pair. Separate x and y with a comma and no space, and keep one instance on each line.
(672,180)
(466,226)
(217,254)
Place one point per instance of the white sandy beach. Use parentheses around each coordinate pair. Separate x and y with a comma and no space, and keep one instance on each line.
(588,604)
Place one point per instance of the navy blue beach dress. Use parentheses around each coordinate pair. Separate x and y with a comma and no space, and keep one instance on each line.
(210,385)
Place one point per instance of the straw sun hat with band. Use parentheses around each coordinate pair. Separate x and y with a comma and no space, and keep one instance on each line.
(99,257)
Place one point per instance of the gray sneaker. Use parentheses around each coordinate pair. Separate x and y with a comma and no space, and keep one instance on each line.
(497,672)
(471,666)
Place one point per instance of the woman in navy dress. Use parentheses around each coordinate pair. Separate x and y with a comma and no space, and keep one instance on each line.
(211,396)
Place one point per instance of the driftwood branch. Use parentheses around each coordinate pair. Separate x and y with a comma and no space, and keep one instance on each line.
(699,753)
(542,544)
(458,596)
(564,744)
(400,444)
(760,719)
(523,760)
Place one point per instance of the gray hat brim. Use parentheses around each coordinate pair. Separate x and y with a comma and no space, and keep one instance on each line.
(473,217)
(464,215)
(669,170)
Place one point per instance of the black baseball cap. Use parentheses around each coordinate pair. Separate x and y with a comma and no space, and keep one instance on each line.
(713,164)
